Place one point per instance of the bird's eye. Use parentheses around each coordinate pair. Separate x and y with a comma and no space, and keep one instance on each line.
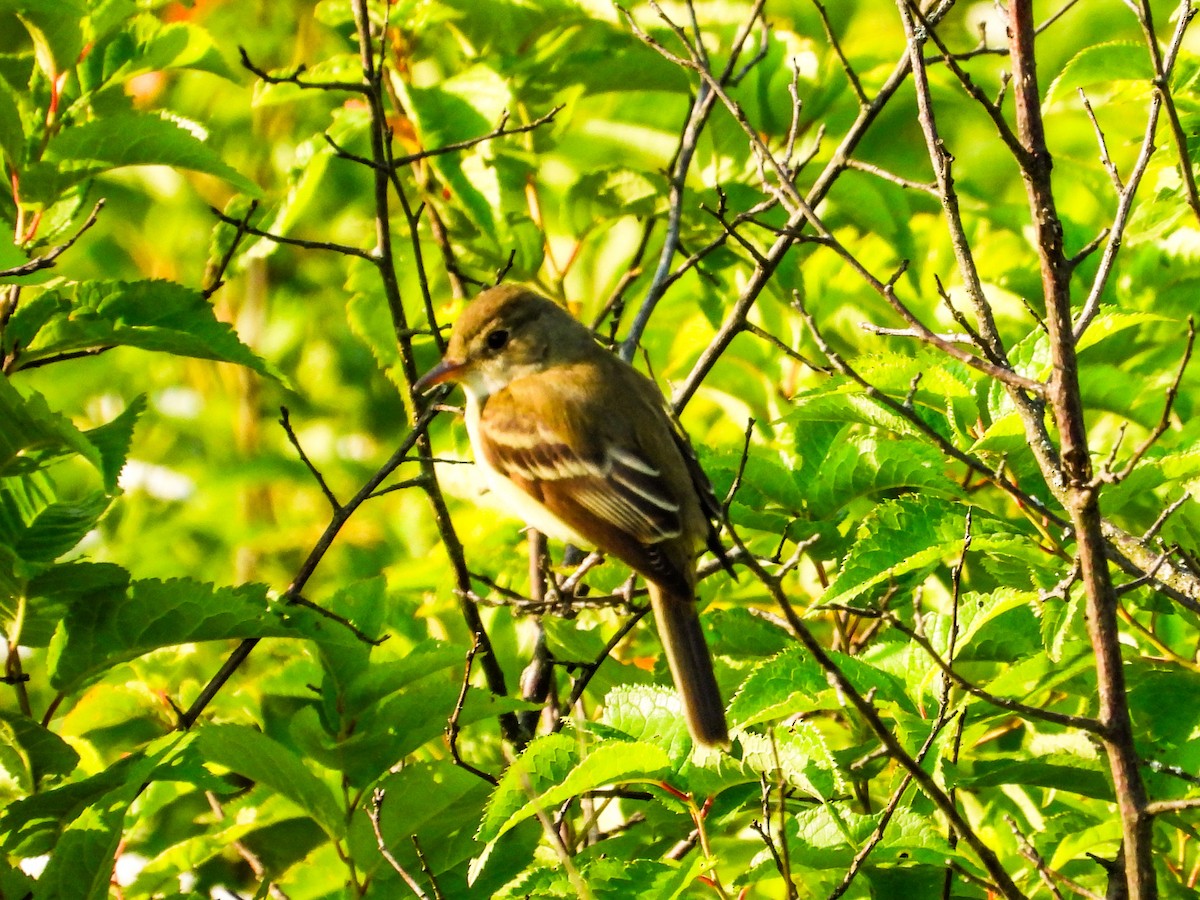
(497,339)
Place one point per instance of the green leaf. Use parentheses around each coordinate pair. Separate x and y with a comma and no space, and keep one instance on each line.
(16,771)
(84,821)
(152,315)
(800,754)
(1108,325)
(126,139)
(12,137)
(112,440)
(603,195)
(864,465)
(828,837)
(59,527)
(32,432)
(267,762)
(36,750)
(55,28)
(148,45)
(543,764)
(648,712)
(1061,772)
(104,628)
(537,783)
(908,535)
(1101,64)
(638,877)
(459,108)
(787,683)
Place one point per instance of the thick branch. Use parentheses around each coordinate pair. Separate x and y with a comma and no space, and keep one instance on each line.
(1080,494)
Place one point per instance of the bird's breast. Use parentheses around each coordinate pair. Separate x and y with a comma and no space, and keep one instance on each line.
(509,496)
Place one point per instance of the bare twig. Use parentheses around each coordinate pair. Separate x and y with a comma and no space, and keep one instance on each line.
(1163,422)
(452,727)
(48,259)
(216,277)
(356,87)
(374,813)
(1116,232)
(502,129)
(1162,87)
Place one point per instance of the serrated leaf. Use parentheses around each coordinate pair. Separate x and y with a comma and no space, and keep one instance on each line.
(650,713)
(907,535)
(828,837)
(47,753)
(1101,64)
(845,407)
(976,611)
(108,627)
(800,754)
(267,762)
(59,527)
(32,432)
(152,315)
(865,465)
(112,440)
(1109,324)
(543,764)
(639,877)
(615,762)
(126,139)
(785,684)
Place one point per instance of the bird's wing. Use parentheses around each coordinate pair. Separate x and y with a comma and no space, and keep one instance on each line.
(548,435)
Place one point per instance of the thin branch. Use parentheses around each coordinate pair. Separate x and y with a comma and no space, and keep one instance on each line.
(356,87)
(1163,422)
(851,75)
(501,130)
(866,709)
(1164,807)
(216,277)
(1030,852)
(338,519)
(1162,86)
(374,814)
(48,259)
(452,727)
(344,249)
(285,420)
(1084,723)
(1116,234)
(1105,160)
(924,187)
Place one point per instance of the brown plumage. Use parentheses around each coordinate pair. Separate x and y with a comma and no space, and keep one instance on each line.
(580,445)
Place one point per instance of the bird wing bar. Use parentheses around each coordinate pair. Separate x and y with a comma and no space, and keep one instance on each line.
(615,486)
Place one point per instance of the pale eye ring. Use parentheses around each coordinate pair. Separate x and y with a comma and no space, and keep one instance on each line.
(497,339)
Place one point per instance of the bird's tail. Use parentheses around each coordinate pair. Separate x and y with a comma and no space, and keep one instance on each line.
(691,665)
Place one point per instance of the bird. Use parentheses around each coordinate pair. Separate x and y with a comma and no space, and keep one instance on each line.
(579,445)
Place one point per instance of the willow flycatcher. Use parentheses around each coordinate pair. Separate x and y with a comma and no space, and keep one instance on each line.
(578,443)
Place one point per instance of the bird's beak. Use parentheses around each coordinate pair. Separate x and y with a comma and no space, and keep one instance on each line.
(446,370)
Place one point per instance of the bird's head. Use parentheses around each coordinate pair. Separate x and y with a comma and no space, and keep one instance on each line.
(505,333)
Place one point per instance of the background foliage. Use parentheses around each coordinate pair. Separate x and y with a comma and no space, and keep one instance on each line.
(890,500)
